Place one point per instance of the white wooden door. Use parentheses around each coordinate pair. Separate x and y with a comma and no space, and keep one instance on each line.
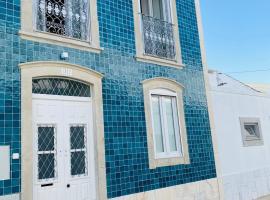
(63,148)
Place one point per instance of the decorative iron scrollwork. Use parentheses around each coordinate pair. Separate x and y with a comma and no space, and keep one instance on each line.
(158,38)
(64,17)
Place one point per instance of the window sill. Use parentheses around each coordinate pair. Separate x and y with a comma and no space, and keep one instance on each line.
(58,40)
(168,156)
(166,162)
(159,61)
(250,143)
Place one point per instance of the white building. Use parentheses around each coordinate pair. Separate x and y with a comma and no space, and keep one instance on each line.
(242,124)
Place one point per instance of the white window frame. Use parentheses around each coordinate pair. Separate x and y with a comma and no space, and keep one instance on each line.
(161,93)
(29,30)
(165,87)
(251,141)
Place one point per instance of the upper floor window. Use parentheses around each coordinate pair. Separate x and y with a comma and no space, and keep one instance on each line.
(165,122)
(156,32)
(61,22)
(63,17)
(158,28)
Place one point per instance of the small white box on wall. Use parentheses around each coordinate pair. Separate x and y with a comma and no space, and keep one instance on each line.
(4,162)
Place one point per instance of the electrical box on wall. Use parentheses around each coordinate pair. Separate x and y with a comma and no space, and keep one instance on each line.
(5,162)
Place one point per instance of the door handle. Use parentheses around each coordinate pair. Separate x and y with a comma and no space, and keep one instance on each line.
(68,185)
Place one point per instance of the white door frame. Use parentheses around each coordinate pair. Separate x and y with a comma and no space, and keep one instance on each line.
(65,70)
(63,176)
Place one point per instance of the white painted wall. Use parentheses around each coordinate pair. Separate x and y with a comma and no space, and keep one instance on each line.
(245,170)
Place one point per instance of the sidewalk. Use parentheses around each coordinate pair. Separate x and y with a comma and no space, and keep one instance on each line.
(264,198)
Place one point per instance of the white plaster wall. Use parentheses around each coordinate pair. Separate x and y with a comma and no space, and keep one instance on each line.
(245,171)
(247,185)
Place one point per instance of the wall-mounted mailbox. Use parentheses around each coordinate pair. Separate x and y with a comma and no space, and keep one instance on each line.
(4,162)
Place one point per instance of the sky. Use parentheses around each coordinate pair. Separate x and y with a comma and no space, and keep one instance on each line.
(237,38)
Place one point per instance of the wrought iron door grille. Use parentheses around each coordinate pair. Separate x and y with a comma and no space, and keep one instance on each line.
(78,150)
(58,86)
(46,150)
(158,38)
(64,17)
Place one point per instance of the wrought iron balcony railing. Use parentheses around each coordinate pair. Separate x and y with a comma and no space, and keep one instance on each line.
(158,38)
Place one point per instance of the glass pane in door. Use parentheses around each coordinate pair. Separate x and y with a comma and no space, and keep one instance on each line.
(46,167)
(78,150)
(78,166)
(46,152)
(77,137)
(167,11)
(46,138)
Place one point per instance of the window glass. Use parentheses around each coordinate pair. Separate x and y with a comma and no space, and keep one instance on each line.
(78,150)
(77,137)
(46,166)
(46,146)
(157,9)
(170,123)
(60,86)
(145,7)
(55,16)
(78,165)
(157,124)
(64,17)
(46,138)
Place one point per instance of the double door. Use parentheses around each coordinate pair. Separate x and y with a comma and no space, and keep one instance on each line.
(63,148)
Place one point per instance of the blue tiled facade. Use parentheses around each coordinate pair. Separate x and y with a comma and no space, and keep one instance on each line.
(127,168)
